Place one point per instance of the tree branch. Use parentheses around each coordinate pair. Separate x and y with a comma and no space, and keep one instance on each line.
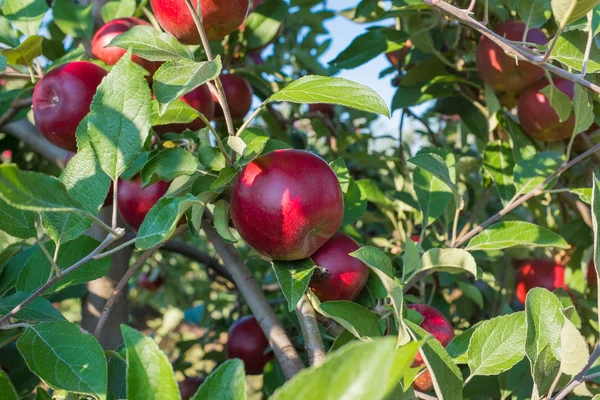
(310,330)
(28,134)
(185,249)
(16,106)
(580,377)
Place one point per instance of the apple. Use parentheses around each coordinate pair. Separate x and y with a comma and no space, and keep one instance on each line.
(62,98)
(219,18)
(322,108)
(340,276)
(150,283)
(110,54)
(539,273)
(134,202)
(592,279)
(189,386)
(501,71)
(199,99)
(238,93)
(286,204)
(247,342)
(538,118)
(398,57)
(441,329)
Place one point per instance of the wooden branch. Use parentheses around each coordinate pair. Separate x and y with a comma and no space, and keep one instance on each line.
(580,377)
(16,106)
(313,343)
(192,252)
(28,134)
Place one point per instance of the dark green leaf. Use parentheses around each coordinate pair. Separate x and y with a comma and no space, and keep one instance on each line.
(293,278)
(360,321)
(263,24)
(73,19)
(17,223)
(39,310)
(228,380)
(167,165)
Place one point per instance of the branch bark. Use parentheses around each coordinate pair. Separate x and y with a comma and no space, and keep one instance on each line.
(580,377)
(16,106)
(310,330)
(27,133)
(185,249)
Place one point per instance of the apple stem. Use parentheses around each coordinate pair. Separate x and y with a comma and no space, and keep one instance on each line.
(588,46)
(313,343)
(228,159)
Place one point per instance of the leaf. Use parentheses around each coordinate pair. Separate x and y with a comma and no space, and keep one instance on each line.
(432,194)
(228,380)
(561,102)
(320,89)
(167,165)
(585,194)
(149,372)
(116,9)
(293,278)
(411,258)
(357,371)
(221,222)
(531,172)
(39,310)
(79,367)
(437,167)
(17,223)
(567,11)
(459,346)
(117,378)
(119,120)
(574,351)
(499,163)
(177,113)
(162,219)
(358,320)
(472,292)
(73,19)
(454,261)
(6,388)
(26,15)
(264,23)
(176,78)
(497,345)
(534,13)
(152,45)
(25,53)
(13,268)
(570,50)
(584,112)
(595,223)
(508,234)
(236,144)
(255,141)
(226,175)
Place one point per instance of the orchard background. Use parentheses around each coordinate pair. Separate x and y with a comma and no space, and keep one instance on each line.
(193,205)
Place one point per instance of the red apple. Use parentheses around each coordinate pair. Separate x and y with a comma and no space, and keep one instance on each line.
(247,342)
(539,273)
(199,99)
(219,18)
(591,275)
(441,329)
(399,56)
(538,118)
(62,98)
(341,276)
(501,71)
(238,93)
(286,204)
(150,283)
(189,386)
(110,55)
(323,108)
(134,202)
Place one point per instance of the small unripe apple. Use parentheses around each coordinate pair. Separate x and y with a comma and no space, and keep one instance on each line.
(110,54)
(247,342)
(323,108)
(339,276)
(539,273)
(398,57)
(219,18)
(150,283)
(441,329)
(286,204)
(238,93)
(134,203)
(189,386)
(503,72)
(62,98)
(537,117)
(199,99)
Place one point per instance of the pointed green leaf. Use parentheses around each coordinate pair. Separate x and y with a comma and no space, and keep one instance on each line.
(531,172)
(432,194)
(584,111)
(454,261)
(570,49)
(222,221)
(26,15)
(574,350)
(534,13)
(567,11)
(167,165)
(437,167)
(561,102)
(508,234)
(25,53)
(360,321)
(293,278)
(39,310)
(177,113)
(152,45)
(228,380)
(499,163)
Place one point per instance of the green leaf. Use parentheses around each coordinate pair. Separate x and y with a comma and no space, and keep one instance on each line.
(167,165)
(228,380)
(39,310)
(176,78)
(437,167)
(6,388)
(561,102)
(149,372)
(73,19)
(264,23)
(255,141)
(567,11)
(595,223)
(12,269)
(585,194)
(570,50)
(25,53)
(117,378)
(26,15)
(321,89)
(499,163)
(293,278)
(411,259)
(357,371)
(497,345)
(574,350)
(226,175)
(17,223)
(152,45)
(453,261)
(459,346)
(222,221)
(373,192)
(584,111)
(65,358)
(116,9)
(432,194)
(358,320)
(472,292)
(531,172)
(508,234)
(162,219)
(534,13)
(177,113)
(119,120)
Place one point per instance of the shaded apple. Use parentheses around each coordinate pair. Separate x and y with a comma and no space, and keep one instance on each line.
(322,108)
(189,386)
(539,273)
(199,99)
(537,117)
(501,71)
(238,93)
(62,98)
(247,342)
(149,282)
(286,204)
(219,18)
(441,329)
(134,203)
(339,276)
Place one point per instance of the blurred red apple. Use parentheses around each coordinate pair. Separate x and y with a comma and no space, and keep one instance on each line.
(199,99)
(189,386)
(134,203)
(591,275)
(150,283)
(539,273)
(238,93)
(247,342)
(323,108)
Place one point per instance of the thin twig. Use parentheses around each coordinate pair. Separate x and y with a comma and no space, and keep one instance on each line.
(16,106)
(15,326)
(432,135)
(588,45)
(313,343)
(52,261)
(580,377)
(424,396)
(478,207)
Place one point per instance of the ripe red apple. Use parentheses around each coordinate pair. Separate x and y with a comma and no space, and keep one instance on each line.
(501,71)
(538,118)
(189,386)
(62,98)
(219,18)
(341,276)
(441,329)
(238,93)
(247,342)
(323,108)
(286,204)
(398,57)
(110,55)
(134,203)
(539,273)
(199,99)
(591,275)
(150,283)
